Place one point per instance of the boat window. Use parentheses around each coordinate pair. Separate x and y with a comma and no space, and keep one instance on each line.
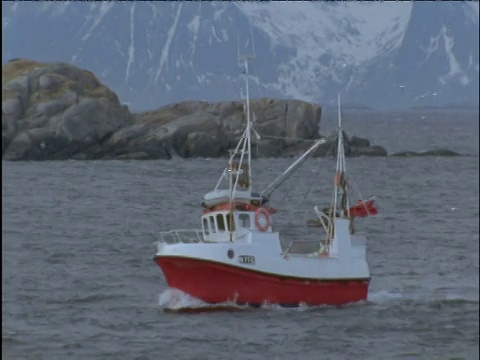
(221,222)
(230,223)
(205,226)
(212,224)
(244,220)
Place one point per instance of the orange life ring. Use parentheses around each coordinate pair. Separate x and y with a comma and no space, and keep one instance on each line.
(257,219)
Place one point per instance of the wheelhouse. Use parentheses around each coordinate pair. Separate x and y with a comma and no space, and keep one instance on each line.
(217,225)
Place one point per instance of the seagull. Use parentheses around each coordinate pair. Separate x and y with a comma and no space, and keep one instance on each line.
(421,97)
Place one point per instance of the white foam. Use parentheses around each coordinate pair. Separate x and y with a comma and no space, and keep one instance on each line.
(383,296)
(176,300)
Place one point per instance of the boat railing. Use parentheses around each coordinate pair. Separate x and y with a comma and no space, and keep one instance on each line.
(186,236)
(324,219)
(303,247)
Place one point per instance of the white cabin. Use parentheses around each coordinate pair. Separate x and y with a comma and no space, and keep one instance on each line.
(216,225)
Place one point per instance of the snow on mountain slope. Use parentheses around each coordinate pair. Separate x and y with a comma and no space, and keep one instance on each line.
(383,54)
(436,63)
(329,39)
(342,29)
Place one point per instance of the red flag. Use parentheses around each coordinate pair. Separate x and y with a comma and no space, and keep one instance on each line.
(364,208)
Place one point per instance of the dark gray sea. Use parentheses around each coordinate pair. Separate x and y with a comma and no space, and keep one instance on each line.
(79,281)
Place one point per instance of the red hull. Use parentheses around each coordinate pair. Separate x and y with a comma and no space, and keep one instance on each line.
(216,283)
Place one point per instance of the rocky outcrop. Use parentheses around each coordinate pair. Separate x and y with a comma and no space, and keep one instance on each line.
(435,152)
(56,111)
(353,147)
(286,128)
(200,129)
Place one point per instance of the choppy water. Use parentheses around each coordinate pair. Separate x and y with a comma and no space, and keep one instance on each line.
(79,281)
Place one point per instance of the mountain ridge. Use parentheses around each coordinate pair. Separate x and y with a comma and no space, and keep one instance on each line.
(383,55)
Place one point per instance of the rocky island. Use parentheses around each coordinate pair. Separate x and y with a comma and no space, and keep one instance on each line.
(56,111)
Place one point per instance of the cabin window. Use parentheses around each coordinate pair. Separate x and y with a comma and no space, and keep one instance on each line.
(244,220)
(230,223)
(221,223)
(205,226)
(212,224)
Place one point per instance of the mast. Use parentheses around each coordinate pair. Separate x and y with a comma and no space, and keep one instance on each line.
(343,167)
(249,143)
(339,155)
(340,172)
(246,147)
(230,183)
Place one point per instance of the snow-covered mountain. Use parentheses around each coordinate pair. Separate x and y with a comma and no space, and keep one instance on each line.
(382,54)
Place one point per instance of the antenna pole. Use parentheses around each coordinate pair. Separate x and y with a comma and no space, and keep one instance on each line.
(339,112)
(253,42)
(238,46)
(249,143)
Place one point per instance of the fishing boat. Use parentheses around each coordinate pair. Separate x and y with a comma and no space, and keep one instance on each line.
(237,256)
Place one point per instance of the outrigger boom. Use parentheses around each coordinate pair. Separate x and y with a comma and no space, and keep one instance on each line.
(275,184)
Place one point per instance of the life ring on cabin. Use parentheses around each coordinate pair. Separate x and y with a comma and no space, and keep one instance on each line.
(258,213)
